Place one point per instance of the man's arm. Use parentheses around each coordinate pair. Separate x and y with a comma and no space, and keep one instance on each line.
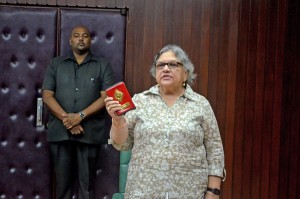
(58,111)
(96,106)
(53,105)
(74,119)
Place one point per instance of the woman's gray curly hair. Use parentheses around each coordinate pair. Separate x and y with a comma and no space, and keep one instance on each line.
(182,56)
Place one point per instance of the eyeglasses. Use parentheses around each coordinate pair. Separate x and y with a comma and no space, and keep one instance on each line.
(171,65)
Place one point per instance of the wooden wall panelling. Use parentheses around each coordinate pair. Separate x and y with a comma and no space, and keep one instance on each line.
(158,25)
(253,94)
(22,1)
(258,131)
(147,43)
(40,2)
(51,2)
(168,22)
(238,169)
(186,40)
(268,109)
(222,67)
(177,16)
(110,3)
(289,177)
(222,80)
(101,3)
(249,100)
(285,137)
(290,139)
(214,54)
(91,3)
(229,134)
(204,44)
(61,2)
(288,102)
(130,43)
(196,50)
(11,1)
(30,2)
(82,3)
(138,50)
(294,148)
(73,3)
(217,69)
(278,82)
(295,119)
(120,3)
(260,22)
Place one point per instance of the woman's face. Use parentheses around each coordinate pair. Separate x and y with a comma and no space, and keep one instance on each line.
(167,75)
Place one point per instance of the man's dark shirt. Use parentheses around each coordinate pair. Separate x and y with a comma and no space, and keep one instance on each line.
(75,87)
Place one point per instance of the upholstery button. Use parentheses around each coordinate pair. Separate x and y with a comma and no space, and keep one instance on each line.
(23,35)
(29,170)
(99,171)
(4,89)
(40,35)
(31,63)
(109,37)
(3,142)
(13,116)
(36,196)
(21,143)
(37,143)
(20,196)
(12,169)
(6,35)
(2,195)
(14,61)
(22,90)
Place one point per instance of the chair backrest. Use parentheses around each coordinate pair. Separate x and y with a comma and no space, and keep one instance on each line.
(124,163)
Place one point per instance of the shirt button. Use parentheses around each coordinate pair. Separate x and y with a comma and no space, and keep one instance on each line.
(77,89)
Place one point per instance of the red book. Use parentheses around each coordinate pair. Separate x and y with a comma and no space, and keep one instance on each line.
(120,93)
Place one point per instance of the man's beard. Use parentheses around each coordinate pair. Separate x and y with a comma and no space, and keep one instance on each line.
(82,51)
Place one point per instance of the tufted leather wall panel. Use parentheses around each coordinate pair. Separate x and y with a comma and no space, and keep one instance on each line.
(29,39)
(27,43)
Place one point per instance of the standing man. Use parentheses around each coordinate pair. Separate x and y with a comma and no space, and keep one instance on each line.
(74,92)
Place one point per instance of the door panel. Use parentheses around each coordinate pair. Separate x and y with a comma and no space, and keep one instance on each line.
(27,43)
(108,40)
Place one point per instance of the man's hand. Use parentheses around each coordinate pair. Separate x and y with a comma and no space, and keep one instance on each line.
(70,120)
(76,130)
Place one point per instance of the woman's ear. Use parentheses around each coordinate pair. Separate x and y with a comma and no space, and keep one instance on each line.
(186,76)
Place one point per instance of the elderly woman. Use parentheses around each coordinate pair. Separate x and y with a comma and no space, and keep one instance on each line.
(176,145)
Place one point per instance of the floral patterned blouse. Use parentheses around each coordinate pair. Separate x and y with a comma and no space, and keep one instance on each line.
(174,149)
